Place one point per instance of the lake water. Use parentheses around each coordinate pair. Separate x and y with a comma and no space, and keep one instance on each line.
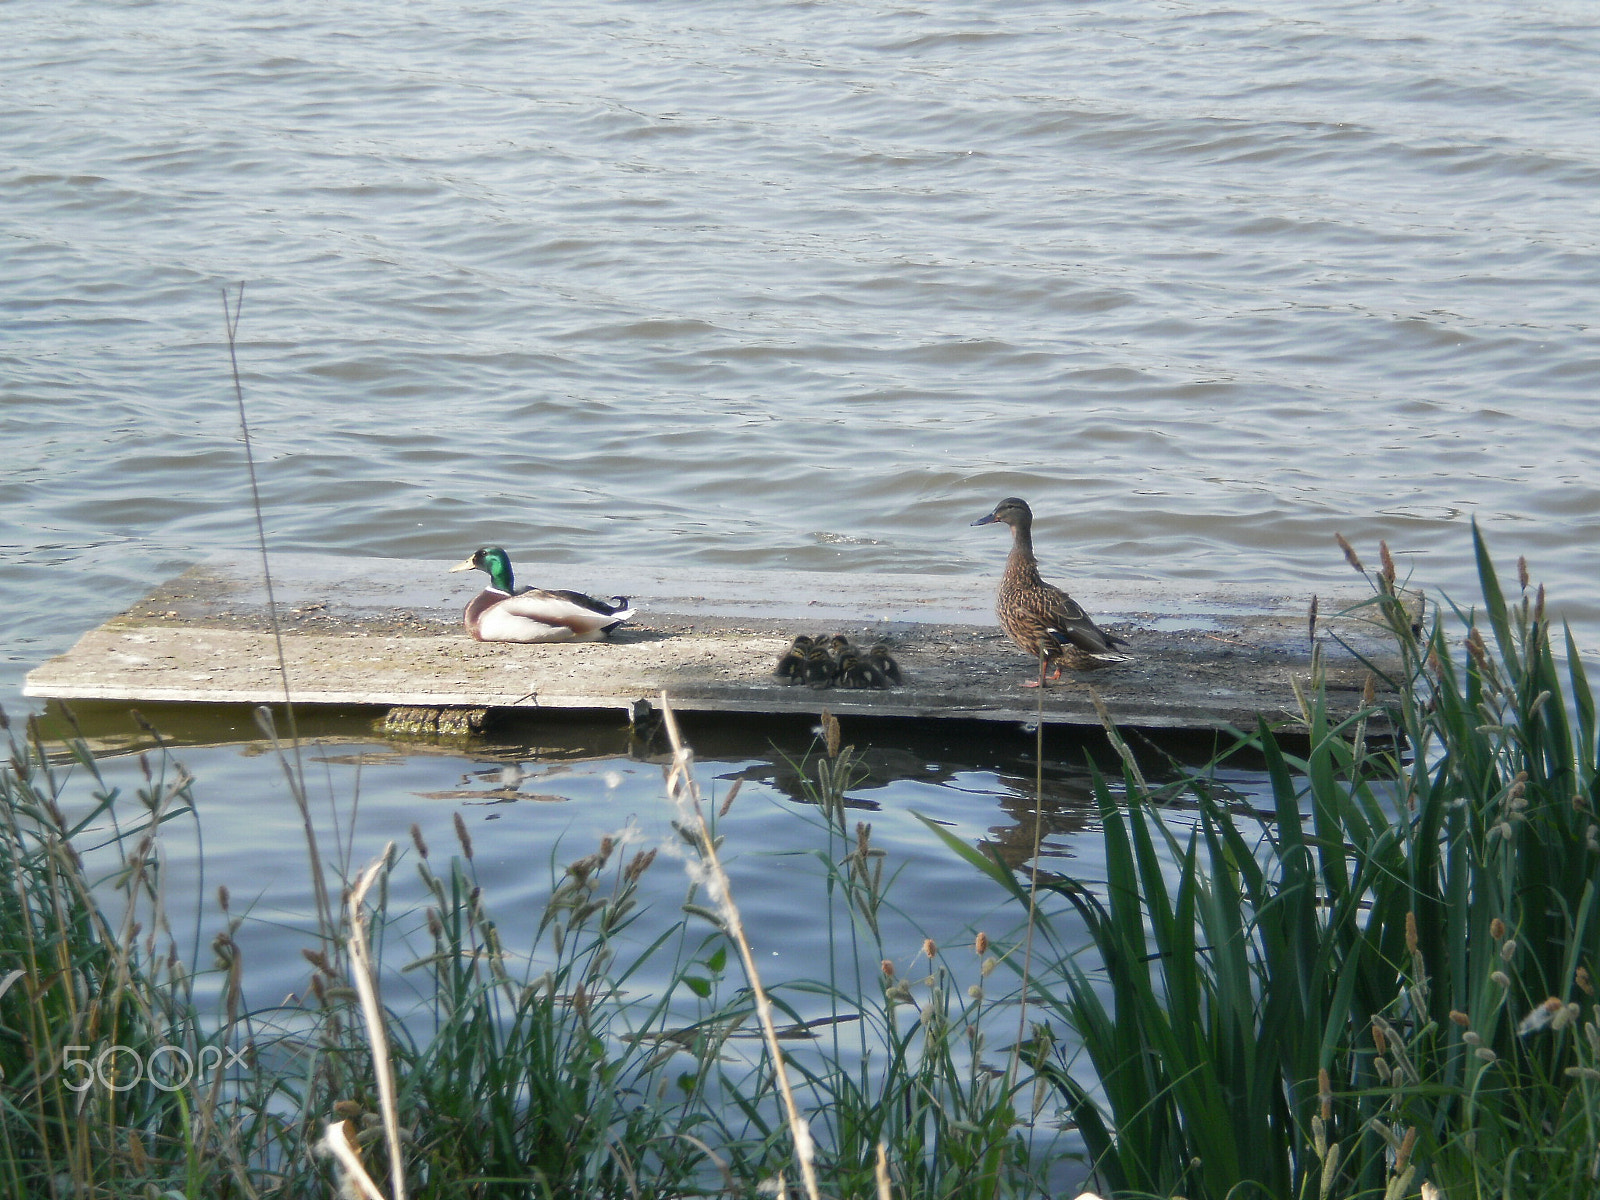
(798,285)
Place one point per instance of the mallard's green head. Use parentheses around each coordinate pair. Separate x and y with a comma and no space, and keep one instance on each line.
(493,560)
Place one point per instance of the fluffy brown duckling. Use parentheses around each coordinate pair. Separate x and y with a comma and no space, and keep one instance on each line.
(820,667)
(857,671)
(791,664)
(880,657)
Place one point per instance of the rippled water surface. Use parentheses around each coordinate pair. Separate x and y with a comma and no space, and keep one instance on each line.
(806,285)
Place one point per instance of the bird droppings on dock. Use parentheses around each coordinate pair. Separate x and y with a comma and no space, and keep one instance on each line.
(386,632)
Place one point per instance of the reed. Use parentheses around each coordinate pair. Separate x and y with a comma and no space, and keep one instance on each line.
(539,1070)
(103,1054)
(917,1086)
(1384,985)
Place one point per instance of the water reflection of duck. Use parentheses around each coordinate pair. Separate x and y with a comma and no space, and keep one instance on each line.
(501,613)
(1039,617)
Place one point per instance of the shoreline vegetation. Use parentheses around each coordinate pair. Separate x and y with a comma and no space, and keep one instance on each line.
(1382,988)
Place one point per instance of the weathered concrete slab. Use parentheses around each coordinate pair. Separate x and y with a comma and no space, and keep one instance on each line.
(387,632)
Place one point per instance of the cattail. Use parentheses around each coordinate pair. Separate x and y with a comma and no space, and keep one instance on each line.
(1378,1038)
(832,736)
(929,949)
(1475,646)
(1497,929)
(1349,553)
(1411,932)
(727,801)
(222,900)
(887,968)
(1460,1018)
(1325,1093)
(463,836)
(1538,605)
(639,864)
(980,945)
(1522,571)
(416,840)
(1406,1147)
(1311,620)
(1585,984)
(1388,561)
(1369,690)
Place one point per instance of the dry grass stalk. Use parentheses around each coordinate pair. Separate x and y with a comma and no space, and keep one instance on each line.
(685,792)
(361,970)
(354,1180)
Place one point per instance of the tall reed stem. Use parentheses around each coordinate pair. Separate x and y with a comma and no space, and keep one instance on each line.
(685,791)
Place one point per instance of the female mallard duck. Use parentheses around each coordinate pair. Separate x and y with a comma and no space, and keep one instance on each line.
(1044,620)
(501,613)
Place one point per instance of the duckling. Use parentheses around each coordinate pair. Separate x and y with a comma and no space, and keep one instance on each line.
(791,663)
(857,672)
(819,668)
(503,613)
(880,657)
(1039,617)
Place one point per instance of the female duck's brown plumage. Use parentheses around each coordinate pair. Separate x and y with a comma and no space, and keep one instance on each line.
(1040,618)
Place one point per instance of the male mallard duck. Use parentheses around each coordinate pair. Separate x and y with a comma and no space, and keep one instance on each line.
(501,613)
(1042,619)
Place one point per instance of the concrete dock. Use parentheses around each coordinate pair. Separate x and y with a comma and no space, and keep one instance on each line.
(387,632)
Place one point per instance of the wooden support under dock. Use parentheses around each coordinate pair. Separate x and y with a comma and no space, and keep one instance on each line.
(387,632)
